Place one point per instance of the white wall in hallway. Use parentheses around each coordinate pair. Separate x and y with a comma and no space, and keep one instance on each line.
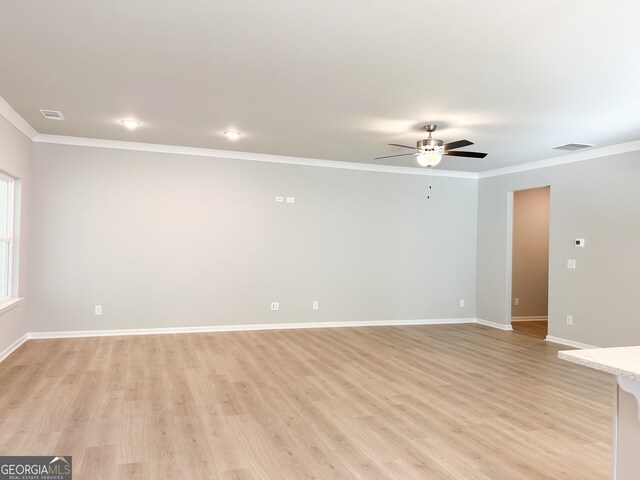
(598,200)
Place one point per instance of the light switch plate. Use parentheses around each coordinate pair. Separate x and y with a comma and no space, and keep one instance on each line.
(571,264)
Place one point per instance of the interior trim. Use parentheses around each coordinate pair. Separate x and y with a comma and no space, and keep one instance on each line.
(9,303)
(15,119)
(14,346)
(256,157)
(564,159)
(499,326)
(569,343)
(267,326)
(246,327)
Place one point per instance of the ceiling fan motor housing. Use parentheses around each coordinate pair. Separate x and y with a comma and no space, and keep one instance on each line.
(431,145)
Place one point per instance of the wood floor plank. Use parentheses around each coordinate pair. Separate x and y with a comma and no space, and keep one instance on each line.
(535,328)
(437,402)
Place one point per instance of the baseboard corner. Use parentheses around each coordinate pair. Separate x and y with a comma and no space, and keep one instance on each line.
(13,347)
(499,326)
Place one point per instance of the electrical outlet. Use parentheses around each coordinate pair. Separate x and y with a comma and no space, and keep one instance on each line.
(569,320)
(275,306)
(291,199)
(315,305)
(516,301)
(98,309)
(462,302)
(279,199)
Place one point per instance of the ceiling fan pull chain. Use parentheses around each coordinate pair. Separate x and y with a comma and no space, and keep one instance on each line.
(428,184)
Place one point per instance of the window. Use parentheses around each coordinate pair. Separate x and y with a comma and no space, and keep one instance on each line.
(6,235)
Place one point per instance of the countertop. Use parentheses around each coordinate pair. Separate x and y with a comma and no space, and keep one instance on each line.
(623,361)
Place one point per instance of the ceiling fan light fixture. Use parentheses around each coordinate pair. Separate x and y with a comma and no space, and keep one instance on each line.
(429,151)
(429,159)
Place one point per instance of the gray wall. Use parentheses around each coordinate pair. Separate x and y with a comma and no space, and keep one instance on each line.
(15,160)
(166,240)
(530,278)
(598,200)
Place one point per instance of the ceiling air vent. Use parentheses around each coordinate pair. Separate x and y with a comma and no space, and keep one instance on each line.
(52,115)
(572,147)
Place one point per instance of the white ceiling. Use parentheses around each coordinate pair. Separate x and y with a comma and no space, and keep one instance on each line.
(331,79)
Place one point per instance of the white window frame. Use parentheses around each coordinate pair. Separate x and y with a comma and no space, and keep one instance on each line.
(11,298)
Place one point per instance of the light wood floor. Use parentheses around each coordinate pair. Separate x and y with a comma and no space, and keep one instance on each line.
(429,402)
(535,328)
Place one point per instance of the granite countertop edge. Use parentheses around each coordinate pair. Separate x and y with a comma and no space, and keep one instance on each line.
(577,356)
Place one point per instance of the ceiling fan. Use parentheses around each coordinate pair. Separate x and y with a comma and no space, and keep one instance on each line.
(429,151)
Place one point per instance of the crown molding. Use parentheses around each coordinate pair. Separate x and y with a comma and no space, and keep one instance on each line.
(589,154)
(234,155)
(15,119)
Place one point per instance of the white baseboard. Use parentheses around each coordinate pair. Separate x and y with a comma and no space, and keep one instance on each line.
(499,326)
(530,319)
(246,327)
(569,343)
(13,347)
(269,326)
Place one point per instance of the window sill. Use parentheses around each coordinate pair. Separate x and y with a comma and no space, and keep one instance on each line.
(9,303)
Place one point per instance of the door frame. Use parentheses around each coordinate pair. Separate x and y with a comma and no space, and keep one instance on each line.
(509,249)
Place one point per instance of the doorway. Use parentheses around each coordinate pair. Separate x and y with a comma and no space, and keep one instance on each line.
(530,262)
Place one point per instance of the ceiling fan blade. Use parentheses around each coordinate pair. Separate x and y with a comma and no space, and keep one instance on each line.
(390,156)
(466,154)
(458,144)
(403,146)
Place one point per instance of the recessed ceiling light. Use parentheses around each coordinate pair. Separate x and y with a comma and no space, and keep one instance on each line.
(130,124)
(232,134)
